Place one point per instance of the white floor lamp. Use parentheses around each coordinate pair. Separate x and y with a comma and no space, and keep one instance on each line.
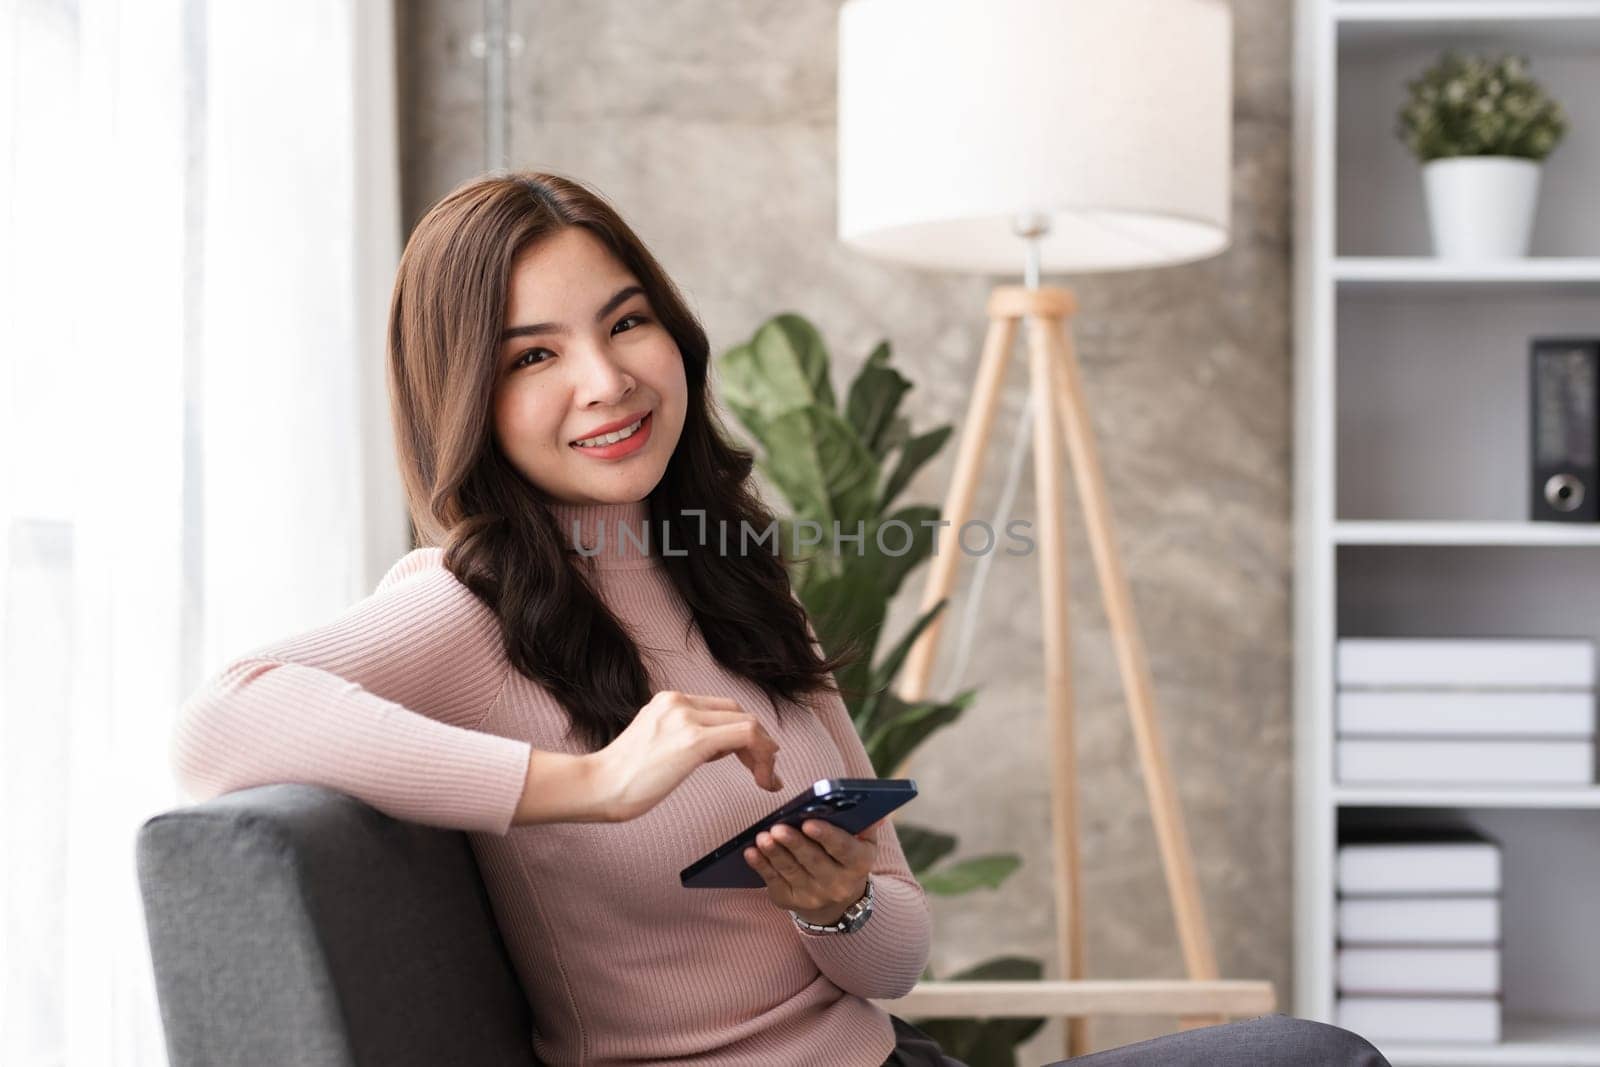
(1061,136)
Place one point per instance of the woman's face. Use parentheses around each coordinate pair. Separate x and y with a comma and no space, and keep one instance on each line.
(582,353)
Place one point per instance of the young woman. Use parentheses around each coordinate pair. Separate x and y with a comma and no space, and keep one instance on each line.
(568,700)
(564,666)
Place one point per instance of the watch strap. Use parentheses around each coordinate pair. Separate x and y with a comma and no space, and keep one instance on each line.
(854,918)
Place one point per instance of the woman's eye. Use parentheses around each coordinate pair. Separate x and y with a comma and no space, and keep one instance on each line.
(525,355)
(521,359)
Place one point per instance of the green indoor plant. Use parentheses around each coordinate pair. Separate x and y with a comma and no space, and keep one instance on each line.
(849,467)
(1481,128)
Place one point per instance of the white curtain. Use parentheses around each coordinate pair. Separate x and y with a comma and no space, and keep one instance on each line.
(199,235)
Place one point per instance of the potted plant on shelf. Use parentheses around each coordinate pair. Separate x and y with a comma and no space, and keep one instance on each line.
(1481,128)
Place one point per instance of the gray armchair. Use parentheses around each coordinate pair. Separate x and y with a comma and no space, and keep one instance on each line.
(294,924)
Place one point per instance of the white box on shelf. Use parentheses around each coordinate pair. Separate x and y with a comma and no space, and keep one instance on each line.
(1460,712)
(1420,920)
(1380,1019)
(1438,863)
(1386,971)
(1466,662)
(1500,761)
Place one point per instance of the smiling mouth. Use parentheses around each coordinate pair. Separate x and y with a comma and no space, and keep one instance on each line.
(613,437)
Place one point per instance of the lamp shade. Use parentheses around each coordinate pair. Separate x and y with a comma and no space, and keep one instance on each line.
(1111,118)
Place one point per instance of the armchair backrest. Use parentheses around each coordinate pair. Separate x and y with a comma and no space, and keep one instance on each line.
(295,924)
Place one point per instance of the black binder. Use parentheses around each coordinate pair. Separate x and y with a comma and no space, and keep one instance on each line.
(1563,397)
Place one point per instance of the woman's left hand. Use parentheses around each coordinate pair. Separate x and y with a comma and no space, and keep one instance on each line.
(817,873)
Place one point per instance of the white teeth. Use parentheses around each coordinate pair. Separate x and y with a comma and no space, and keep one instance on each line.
(611,438)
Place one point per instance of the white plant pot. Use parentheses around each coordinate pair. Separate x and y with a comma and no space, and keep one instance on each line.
(1481,207)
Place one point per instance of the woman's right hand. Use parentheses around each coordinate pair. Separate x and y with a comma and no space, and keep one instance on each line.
(671,736)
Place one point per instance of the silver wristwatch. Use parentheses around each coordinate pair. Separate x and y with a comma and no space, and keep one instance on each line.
(854,918)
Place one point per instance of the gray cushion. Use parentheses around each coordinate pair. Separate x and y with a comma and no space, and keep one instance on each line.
(295,924)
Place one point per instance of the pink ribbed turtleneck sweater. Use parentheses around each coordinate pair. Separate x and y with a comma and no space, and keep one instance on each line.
(407,702)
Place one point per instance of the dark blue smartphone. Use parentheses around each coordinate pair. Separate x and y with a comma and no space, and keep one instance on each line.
(852,804)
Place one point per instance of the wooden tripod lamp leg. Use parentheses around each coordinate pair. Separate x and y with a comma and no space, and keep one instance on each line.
(1050,490)
(975,432)
(1176,855)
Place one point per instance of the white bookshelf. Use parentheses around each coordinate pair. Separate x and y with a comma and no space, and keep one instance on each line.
(1410,475)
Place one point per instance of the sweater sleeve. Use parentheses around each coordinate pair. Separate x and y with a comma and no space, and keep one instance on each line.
(381,703)
(885,958)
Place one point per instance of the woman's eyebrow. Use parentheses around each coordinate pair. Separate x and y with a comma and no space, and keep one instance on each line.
(552,327)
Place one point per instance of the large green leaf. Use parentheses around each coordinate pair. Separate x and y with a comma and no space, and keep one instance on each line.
(782,367)
(913,542)
(918,450)
(884,673)
(874,396)
(883,705)
(745,390)
(883,677)
(816,460)
(808,563)
(1001,969)
(898,433)
(923,847)
(907,725)
(979,872)
(838,612)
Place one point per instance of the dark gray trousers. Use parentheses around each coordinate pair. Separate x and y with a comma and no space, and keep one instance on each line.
(1265,1041)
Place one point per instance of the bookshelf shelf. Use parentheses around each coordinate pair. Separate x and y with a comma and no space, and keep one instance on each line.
(1434,11)
(1551,798)
(1399,270)
(1411,484)
(1510,534)
(1540,25)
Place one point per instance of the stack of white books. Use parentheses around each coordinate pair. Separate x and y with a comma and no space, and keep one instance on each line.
(1466,711)
(1419,937)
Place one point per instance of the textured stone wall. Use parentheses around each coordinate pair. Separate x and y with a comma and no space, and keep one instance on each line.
(711,127)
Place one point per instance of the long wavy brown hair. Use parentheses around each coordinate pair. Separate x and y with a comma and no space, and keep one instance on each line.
(499,536)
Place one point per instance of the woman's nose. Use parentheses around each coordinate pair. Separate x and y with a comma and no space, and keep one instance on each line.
(603,381)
